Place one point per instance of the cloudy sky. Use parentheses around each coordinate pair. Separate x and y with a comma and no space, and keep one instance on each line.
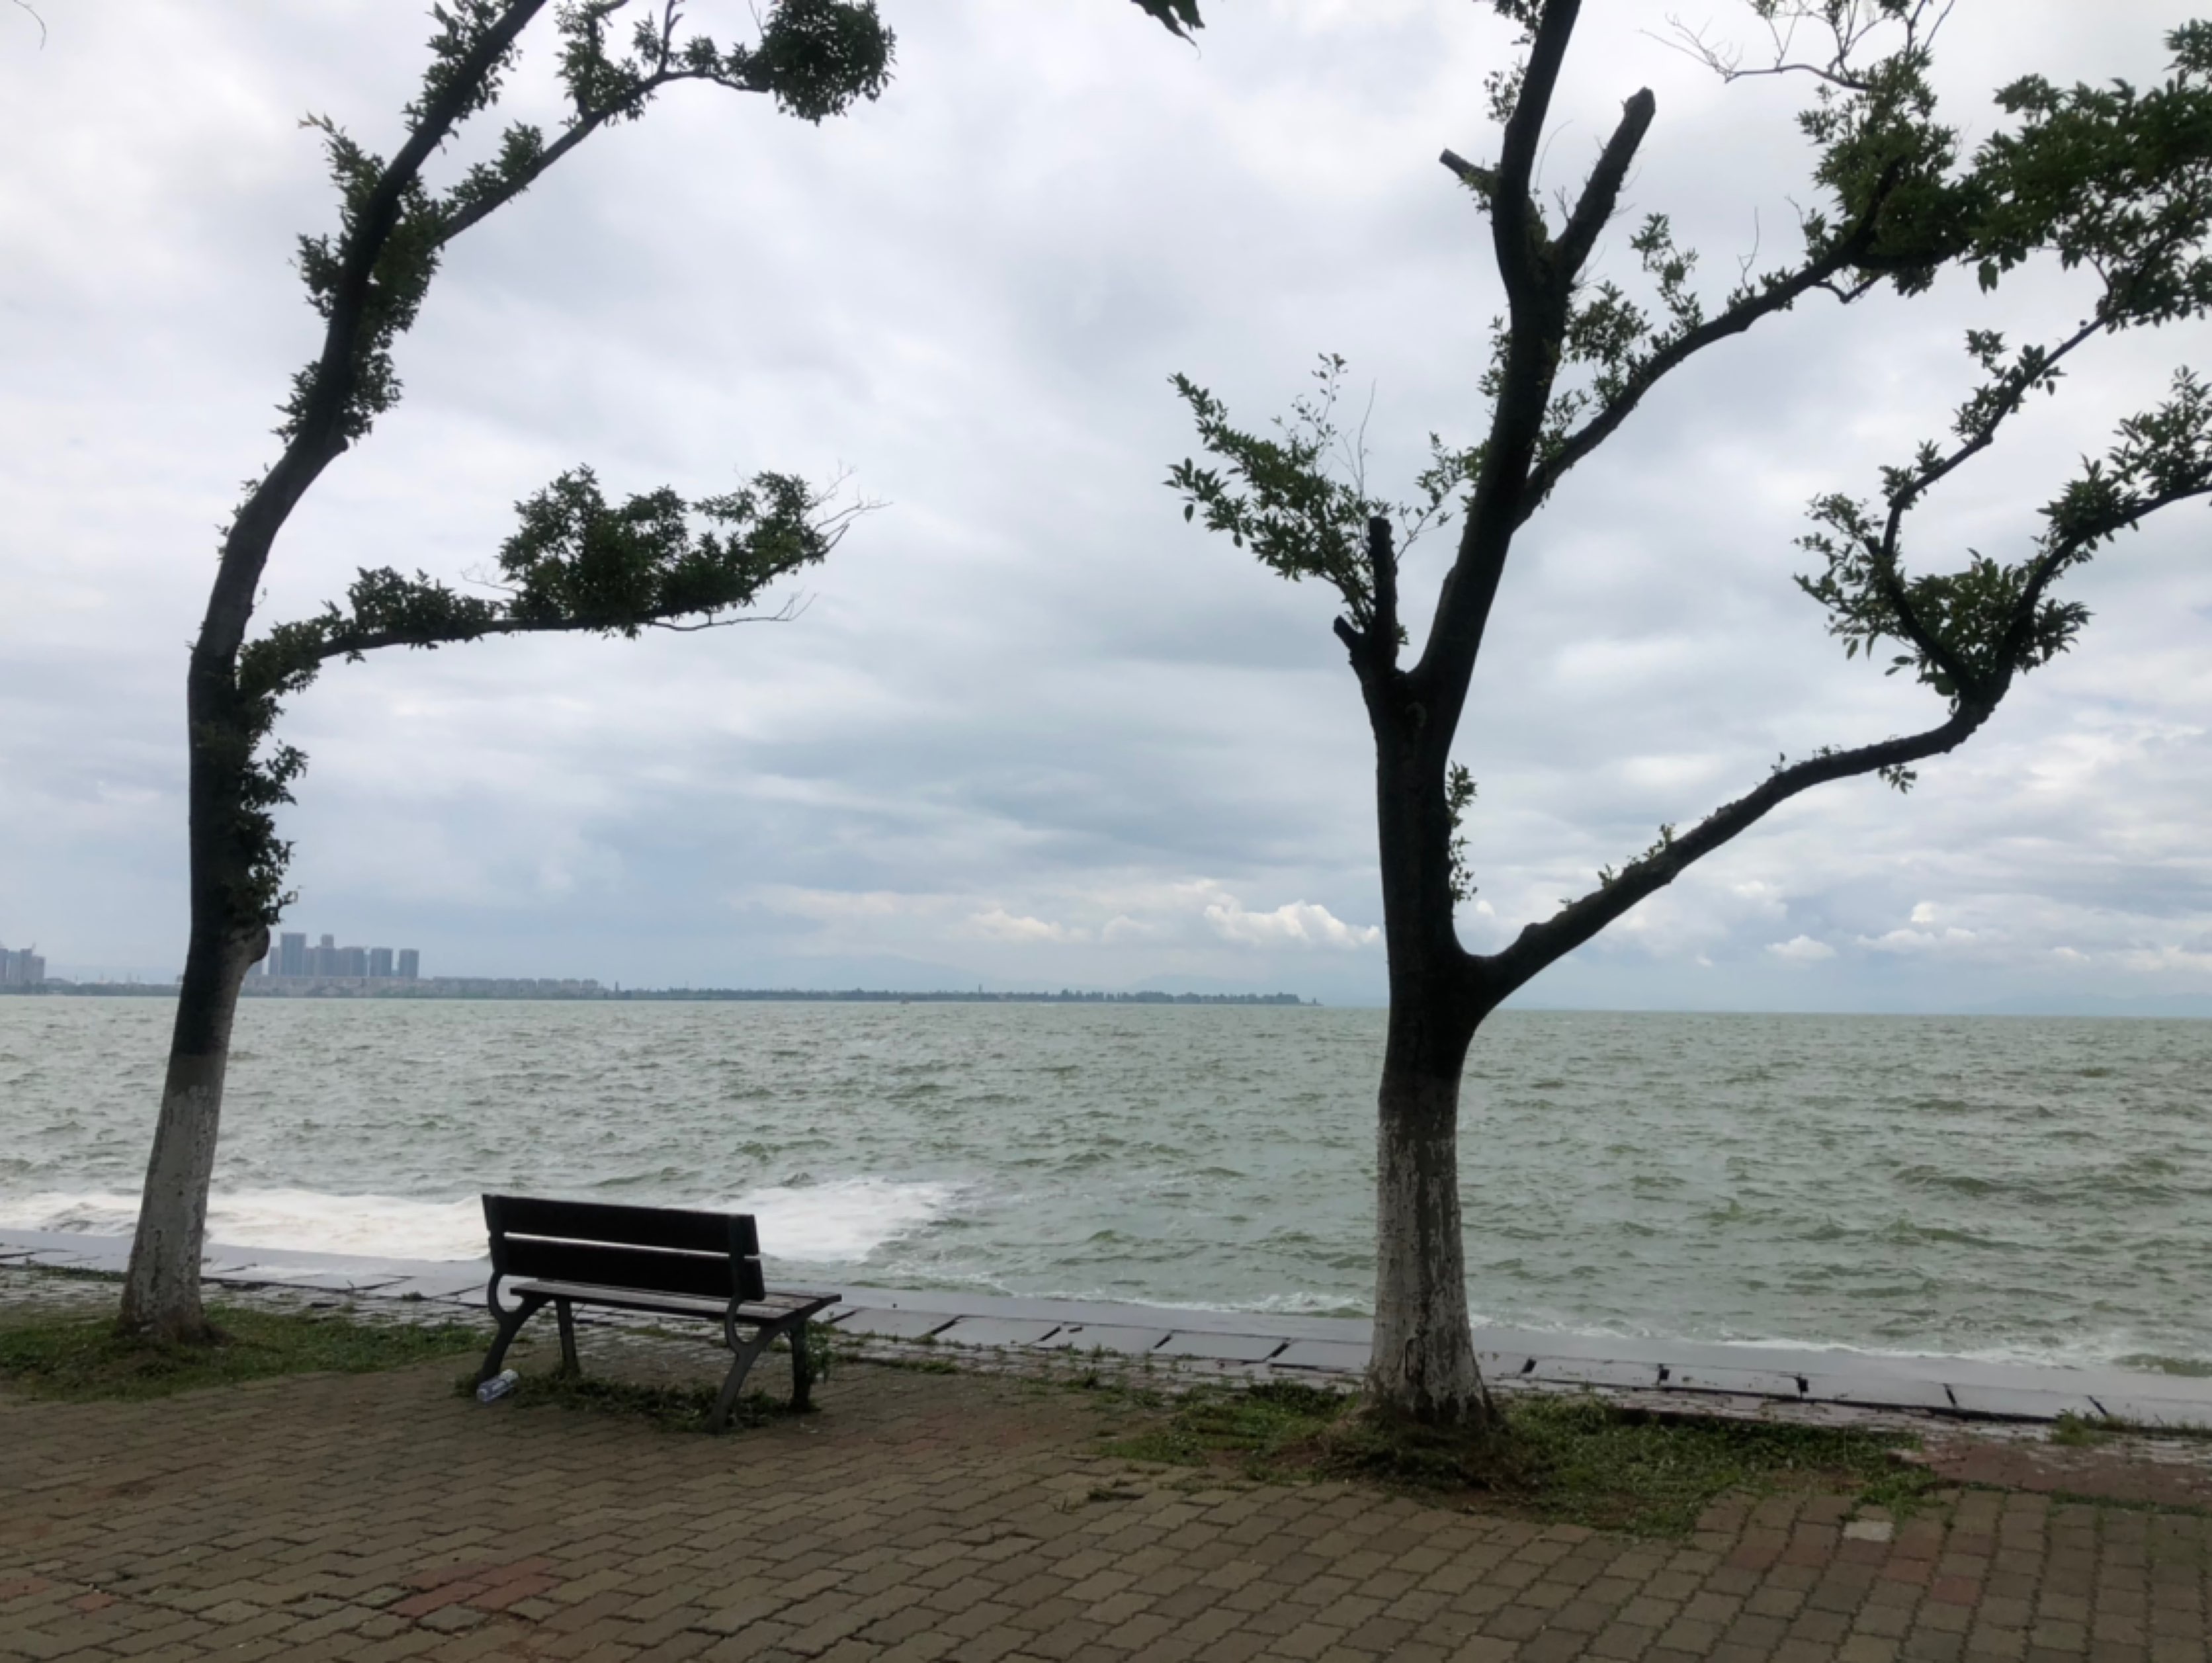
(1032,729)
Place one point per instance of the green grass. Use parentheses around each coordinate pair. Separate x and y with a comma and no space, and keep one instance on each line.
(81,1357)
(1573,1459)
(2073,1431)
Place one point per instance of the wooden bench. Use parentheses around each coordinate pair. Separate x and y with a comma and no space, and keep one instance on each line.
(660,1260)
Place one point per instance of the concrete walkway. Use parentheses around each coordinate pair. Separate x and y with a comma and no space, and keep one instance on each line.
(925,1516)
(1242,1346)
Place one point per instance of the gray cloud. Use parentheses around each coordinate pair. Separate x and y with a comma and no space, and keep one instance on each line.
(1031,727)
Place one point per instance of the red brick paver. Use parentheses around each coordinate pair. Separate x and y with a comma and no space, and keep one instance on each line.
(922,1516)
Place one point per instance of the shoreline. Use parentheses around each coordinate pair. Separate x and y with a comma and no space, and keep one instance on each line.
(1691,1376)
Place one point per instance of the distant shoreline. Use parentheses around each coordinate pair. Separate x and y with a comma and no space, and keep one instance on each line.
(470,987)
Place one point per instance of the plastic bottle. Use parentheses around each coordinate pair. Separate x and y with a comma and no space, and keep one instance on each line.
(497,1386)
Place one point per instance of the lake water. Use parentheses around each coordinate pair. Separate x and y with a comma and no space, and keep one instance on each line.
(2017,1188)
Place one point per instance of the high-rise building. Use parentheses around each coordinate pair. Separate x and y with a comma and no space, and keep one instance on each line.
(21,968)
(411,964)
(325,958)
(353,962)
(380,964)
(292,954)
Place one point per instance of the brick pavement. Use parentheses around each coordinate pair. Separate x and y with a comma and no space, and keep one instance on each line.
(925,1516)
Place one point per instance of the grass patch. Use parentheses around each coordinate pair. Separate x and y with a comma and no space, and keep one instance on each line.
(1574,1459)
(82,1357)
(2074,1431)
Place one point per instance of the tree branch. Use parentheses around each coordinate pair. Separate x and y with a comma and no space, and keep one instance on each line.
(1602,190)
(2033,371)
(483,207)
(1739,318)
(1540,945)
(1847,32)
(1516,223)
(1383,560)
(355,645)
(318,437)
(382,212)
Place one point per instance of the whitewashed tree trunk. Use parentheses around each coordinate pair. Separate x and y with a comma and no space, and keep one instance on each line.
(162,1289)
(1423,1365)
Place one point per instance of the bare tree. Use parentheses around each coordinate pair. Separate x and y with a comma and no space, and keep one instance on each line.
(2112,181)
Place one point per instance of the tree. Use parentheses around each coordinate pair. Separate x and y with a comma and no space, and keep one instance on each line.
(575,564)
(2114,181)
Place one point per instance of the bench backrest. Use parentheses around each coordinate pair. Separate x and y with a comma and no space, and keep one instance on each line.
(663,1250)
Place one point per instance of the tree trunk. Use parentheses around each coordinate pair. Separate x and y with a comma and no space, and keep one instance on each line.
(1423,1364)
(161,1289)
(162,1293)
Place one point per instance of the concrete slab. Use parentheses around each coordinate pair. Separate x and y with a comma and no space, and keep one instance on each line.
(1592,1371)
(1741,1382)
(2155,1412)
(1331,1354)
(1357,1331)
(1222,1368)
(895,1325)
(1874,1392)
(996,1331)
(2012,1404)
(286,1275)
(464,1287)
(68,1241)
(1079,1337)
(1221,1348)
(60,1258)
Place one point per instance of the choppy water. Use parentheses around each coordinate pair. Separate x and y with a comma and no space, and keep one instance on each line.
(2015,1187)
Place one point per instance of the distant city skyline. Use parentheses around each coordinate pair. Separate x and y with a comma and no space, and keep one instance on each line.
(289,956)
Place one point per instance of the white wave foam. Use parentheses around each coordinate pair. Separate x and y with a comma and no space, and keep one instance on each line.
(379,1226)
(829,1223)
(844,1220)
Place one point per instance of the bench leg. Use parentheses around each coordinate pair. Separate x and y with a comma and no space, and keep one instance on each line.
(510,1325)
(567,1317)
(746,1352)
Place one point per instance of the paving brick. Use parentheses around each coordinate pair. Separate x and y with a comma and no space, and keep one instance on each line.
(925,1517)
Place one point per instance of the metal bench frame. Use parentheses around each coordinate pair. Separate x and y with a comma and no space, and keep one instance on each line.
(664,1260)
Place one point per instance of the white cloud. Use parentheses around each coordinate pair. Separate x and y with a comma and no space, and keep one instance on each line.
(1802,949)
(841,906)
(1004,926)
(1295,922)
(1921,941)
(2170,956)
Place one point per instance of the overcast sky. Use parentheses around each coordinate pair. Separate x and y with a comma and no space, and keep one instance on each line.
(1032,729)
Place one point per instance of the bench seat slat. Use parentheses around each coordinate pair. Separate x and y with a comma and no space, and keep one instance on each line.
(778,1304)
